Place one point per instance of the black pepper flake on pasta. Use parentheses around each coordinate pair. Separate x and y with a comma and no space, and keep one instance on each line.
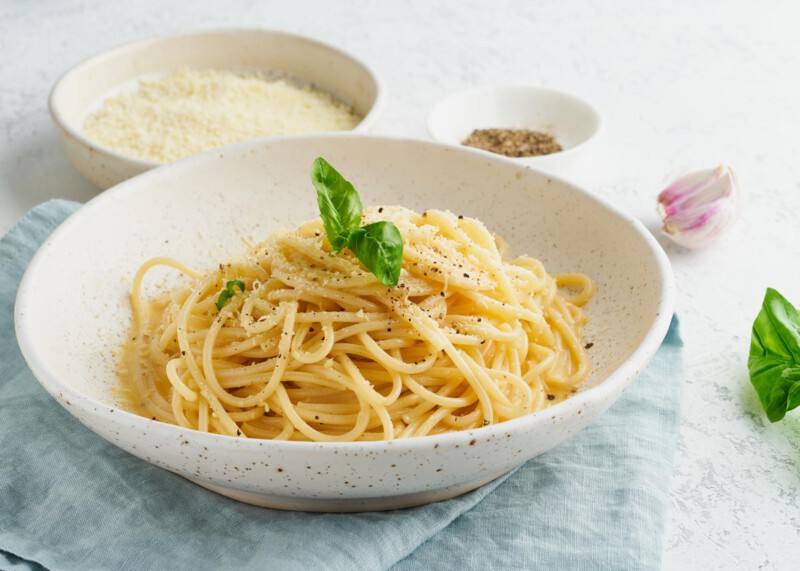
(588,346)
(395,304)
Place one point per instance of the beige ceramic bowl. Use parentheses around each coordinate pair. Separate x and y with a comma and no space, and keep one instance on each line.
(82,89)
(199,209)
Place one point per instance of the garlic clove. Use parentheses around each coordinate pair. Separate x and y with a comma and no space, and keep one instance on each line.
(698,207)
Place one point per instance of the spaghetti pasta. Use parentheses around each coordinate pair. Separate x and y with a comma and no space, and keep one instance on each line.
(316,348)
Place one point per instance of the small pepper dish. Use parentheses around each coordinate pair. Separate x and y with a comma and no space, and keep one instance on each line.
(81,90)
(573,122)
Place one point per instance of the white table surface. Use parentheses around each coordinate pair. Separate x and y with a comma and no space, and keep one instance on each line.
(680,85)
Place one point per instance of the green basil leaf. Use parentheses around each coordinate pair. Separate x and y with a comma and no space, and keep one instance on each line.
(379,246)
(228,292)
(223,298)
(774,362)
(339,203)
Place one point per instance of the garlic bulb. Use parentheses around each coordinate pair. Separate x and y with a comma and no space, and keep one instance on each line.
(699,206)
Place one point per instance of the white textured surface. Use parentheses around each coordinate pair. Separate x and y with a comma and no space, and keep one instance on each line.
(681,85)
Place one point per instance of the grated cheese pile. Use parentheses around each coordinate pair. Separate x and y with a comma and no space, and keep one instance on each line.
(192,111)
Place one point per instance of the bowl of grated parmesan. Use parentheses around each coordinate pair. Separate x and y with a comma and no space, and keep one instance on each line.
(156,101)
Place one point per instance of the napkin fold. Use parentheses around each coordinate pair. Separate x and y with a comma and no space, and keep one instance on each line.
(70,500)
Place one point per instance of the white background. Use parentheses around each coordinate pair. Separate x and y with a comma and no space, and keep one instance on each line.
(681,85)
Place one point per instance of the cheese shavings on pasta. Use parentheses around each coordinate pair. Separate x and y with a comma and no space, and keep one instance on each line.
(316,348)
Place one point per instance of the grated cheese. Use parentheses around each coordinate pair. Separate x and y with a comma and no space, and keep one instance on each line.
(193,111)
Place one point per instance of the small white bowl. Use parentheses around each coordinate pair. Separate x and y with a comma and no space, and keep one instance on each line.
(81,90)
(199,210)
(571,120)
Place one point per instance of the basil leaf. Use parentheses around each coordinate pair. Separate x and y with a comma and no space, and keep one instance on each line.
(339,203)
(379,246)
(774,361)
(228,292)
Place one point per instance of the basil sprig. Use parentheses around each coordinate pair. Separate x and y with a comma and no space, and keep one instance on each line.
(774,361)
(379,246)
(339,203)
(228,293)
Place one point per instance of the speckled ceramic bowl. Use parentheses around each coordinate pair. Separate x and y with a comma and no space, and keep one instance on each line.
(82,89)
(72,311)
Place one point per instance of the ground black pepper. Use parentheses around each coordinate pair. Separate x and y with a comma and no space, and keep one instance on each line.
(513,142)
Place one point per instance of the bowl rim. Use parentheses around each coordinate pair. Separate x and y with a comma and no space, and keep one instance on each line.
(74,132)
(616,381)
(492,88)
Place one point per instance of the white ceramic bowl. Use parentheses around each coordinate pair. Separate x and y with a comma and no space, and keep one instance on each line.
(72,309)
(572,121)
(81,90)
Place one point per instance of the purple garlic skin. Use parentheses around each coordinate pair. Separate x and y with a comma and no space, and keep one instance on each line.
(698,207)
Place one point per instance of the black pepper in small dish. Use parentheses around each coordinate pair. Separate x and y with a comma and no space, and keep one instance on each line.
(513,142)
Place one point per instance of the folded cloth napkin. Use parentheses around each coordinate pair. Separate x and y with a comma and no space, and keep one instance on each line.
(70,500)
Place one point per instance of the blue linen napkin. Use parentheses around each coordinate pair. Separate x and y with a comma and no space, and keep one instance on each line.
(70,500)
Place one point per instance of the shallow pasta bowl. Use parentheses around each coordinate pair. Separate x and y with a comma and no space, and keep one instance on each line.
(72,310)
